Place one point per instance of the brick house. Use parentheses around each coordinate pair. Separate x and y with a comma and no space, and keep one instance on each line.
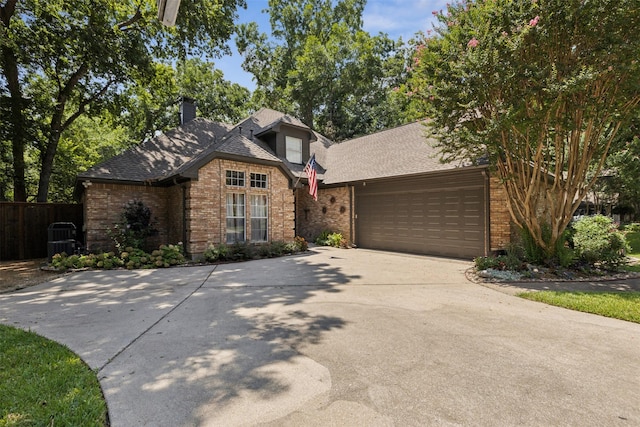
(209,182)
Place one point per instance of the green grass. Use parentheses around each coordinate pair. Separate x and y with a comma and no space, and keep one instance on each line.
(622,305)
(634,241)
(43,383)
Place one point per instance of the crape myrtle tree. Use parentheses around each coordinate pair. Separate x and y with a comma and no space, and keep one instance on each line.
(61,59)
(540,88)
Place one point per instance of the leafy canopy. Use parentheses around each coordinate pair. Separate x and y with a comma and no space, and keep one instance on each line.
(321,66)
(540,88)
(65,58)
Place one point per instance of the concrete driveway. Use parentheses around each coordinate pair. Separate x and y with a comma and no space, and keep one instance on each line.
(334,337)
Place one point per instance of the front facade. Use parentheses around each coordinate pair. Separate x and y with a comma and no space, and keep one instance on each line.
(209,183)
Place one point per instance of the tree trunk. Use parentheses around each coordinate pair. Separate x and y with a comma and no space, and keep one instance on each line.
(18,126)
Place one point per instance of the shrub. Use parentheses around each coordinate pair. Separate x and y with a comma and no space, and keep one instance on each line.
(561,255)
(633,227)
(300,244)
(130,258)
(597,241)
(215,253)
(323,238)
(499,262)
(134,227)
(328,238)
(241,252)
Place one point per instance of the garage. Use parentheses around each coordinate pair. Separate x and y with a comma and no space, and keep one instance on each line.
(443,214)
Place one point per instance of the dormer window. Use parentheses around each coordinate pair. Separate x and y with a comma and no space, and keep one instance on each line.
(294,149)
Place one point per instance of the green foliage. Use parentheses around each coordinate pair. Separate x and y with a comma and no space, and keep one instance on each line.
(559,254)
(134,227)
(215,253)
(42,381)
(633,239)
(73,58)
(619,305)
(130,258)
(597,241)
(300,244)
(329,238)
(321,66)
(539,88)
(246,251)
(633,228)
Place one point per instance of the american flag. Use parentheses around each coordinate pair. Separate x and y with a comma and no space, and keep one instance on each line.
(310,170)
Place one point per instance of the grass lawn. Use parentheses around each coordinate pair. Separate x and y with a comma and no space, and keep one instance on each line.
(634,241)
(622,305)
(43,383)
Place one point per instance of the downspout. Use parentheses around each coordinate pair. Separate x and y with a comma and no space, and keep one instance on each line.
(487,216)
(184,216)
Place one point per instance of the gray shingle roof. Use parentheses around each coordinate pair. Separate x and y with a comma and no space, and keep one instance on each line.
(403,150)
(159,156)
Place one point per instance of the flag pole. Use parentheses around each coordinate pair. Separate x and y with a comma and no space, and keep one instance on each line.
(305,166)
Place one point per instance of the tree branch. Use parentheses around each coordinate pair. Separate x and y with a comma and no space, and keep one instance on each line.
(126,25)
(82,107)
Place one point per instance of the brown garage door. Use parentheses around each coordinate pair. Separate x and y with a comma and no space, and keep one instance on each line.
(443,215)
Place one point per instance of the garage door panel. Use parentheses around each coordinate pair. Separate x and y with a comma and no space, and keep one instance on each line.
(426,216)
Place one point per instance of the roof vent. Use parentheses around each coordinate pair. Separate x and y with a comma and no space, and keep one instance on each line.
(187,109)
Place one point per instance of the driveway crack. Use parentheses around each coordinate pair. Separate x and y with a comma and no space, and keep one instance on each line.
(164,316)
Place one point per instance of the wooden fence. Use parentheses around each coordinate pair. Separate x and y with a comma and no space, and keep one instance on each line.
(24,227)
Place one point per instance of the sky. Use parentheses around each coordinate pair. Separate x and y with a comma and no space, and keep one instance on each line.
(397,18)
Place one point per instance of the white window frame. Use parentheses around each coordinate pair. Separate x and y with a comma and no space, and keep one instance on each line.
(293,149)
(236,211)
(259,180)
(234,178)
(257,215)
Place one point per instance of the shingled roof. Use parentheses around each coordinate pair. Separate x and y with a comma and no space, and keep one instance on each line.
(404,150)
(160,156)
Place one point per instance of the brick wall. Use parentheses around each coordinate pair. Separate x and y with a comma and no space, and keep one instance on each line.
(333,211)
(206,204)
(500,222)
(103,206)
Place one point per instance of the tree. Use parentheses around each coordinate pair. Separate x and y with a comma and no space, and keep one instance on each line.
(66,57)
(321,66)
(147,108)
(624,165)
(540,88)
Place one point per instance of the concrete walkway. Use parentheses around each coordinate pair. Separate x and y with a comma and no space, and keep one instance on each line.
(334,337)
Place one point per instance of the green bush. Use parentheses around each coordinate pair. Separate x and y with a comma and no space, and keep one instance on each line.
(300,244)
(499,262)
(562,254)
(134,227)
(165,256)
(328,238)
(215,253)
(633,227)
(323,238)
(597,241)
(241,251)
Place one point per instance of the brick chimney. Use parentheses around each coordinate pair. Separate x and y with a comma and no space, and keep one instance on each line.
(187,109)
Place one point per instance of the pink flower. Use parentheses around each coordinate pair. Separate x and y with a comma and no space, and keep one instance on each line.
(534,21)
(434,13)
(473,42)
(505,34)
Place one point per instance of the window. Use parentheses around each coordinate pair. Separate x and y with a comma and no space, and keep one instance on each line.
(294,149)
(235,217)
(259,218)
(235,178)
(258,180)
